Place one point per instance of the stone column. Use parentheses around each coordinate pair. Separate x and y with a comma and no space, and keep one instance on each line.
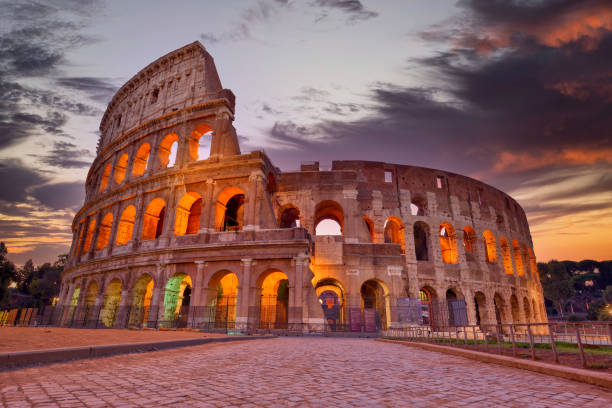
(244,294)
(208,207)
(153,160)
(196,308)
(159,291)
(250,221)
(130,163)
(137,231)
(296,291)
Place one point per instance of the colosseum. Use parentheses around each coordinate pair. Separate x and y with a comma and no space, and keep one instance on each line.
(181,229)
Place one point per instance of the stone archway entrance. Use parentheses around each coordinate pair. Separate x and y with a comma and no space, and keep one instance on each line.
(176,300)
(274,301)
(373,306)
(331,297)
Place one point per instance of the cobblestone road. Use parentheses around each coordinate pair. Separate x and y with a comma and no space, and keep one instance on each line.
(314,372)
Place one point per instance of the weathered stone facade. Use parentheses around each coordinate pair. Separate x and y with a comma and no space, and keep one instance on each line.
(233,226)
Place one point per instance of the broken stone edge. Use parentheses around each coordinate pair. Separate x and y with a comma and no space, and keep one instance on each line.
(570,373)
(10,361)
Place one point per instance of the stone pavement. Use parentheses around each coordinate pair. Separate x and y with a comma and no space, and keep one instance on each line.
(283,372)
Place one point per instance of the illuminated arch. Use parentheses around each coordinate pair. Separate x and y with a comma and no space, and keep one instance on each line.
(188,213)
(527,309)
(490,246)
(329,210)
(469,239)
(104,231)
(394,232)
(222,296)
(199,142)
(274,300)
(89,235)
(480,304)
(229,211)
(105,176)
(533,266)
(141,160)
(448,243)
(331,296)
(126,225)
(518,260)
(177,296)
(168,145)
(506,256)
(112,299)
(120,168)
(514,309)
(374,297)
(141,300)
(153,221)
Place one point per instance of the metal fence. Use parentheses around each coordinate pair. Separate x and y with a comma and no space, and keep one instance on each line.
(584,344)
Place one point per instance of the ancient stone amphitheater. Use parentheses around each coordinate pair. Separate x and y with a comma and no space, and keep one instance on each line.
(179,228)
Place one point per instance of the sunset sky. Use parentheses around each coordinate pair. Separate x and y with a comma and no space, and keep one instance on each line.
(516,93)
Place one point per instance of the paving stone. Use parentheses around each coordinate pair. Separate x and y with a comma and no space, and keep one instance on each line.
(291,372)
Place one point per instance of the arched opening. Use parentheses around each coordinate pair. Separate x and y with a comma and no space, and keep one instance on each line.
(453,312)
(223,292)
(394,232)
(120,168)
(421,238)
(112,298)
(188,213)
(167,151)
(126,225)
(274,303)
(370,227)
(74,300)
(329,218)
(200,142)
(480,303)
(153,222)
(525,258)
(500,307)
(331,297)
(418,206)
(104,231)
(289,217)
(514,308)
(506,257)
(490,246)
(374,305)
(141,300)
(229,214)
(518,260)
(176,300)
(427,295)
(448,243)
(89,235)
(141,160)
(89,303)
(527,310)
(105,176)
(469,239)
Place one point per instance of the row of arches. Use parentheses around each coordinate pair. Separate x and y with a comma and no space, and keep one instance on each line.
(198,148)
(219,300)
(329,220)
(229,216)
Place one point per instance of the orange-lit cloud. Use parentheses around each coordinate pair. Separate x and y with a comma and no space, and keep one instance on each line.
(518,162)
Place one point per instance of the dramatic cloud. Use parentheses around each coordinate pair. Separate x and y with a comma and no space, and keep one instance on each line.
(98,89)
(67,155)
(61,196)
(16,179)
(353,8)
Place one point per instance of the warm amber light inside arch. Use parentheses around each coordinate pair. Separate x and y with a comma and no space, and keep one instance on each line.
(188,213)
(141,159)
(104,231)
(165,148)
(105,177)
(394,232)
(199,141)
(153,221)
(120,168)
(89,235)
(448,243)
(506,256)
(126,225)
(490,246)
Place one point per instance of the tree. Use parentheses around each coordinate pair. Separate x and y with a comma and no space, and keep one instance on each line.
(7,273)
(557,283)
(46,281)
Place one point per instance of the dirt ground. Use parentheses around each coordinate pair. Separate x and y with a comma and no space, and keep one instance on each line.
(39,338)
